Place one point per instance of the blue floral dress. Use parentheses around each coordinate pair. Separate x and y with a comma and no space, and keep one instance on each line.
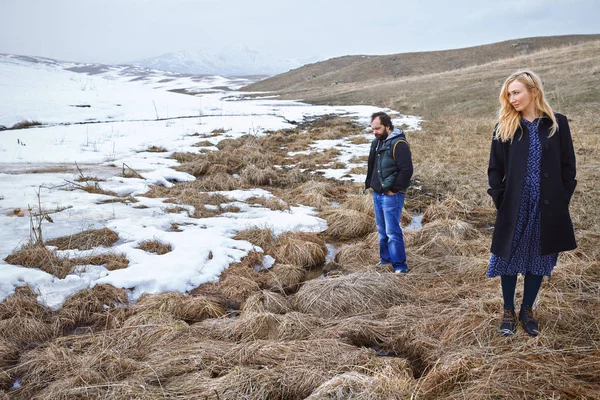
(526,250)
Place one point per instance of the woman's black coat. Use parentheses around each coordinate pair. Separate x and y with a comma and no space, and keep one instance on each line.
(506,175)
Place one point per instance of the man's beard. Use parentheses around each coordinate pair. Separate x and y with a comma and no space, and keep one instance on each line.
(381,136)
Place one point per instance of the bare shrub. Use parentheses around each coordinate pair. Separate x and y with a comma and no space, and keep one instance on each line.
(25,124)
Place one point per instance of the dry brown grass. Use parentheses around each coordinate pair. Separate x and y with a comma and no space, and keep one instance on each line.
(267,301)
(180,306)
(285,278)
(262,237)
(24,322)
(357,256)
(447,237)
(300,248)
(352,294)
(36,256)
(259,176)
(156,149)
(101,307)
(343,224)
(316,194)
(85,240)
(111,261)
(155,246)
(271,203)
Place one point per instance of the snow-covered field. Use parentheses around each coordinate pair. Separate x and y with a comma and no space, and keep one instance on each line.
(104,117)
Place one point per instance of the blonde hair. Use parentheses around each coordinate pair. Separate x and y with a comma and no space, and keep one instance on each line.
(509,119)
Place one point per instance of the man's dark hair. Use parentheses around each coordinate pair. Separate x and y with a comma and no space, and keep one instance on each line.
(384,119)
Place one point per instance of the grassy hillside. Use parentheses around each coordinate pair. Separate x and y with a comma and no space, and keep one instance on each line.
(360,68)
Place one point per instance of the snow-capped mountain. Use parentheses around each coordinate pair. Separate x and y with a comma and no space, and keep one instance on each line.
(225,62)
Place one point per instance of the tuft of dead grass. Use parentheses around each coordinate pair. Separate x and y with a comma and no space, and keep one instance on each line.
(344,224)
(447,237)
(100,308)
(254,175)
(357,256)
(262,237)
(271,203)
(155,246)
(453,208)
(37,256)
(156,149)
(301,248)
(180,306)
(85,240)
(352,294)
(267,301)
(285,278)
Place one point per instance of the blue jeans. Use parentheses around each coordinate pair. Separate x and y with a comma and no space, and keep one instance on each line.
(388,210)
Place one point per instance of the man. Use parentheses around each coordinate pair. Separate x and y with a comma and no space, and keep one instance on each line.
(388,174)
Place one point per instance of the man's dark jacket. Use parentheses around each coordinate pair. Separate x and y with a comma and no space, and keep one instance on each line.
(506,175)
(390,161)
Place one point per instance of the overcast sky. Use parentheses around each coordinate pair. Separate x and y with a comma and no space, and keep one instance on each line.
(118,31)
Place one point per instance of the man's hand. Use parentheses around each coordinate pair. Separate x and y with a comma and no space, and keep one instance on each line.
(389,192)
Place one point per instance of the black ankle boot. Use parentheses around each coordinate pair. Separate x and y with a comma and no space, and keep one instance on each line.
(529,323)
(509,322)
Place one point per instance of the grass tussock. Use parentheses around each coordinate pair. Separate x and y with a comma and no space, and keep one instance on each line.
(357,256)
(111,261)
(267,301)
(453,208)
(352,294)
(36,256)
(155,246)
(447,237)
(101,307)
(271,203)
(344,224)
(301,248)
(317,194)
(85,240)
(182,307)
(156,149)
(285,278)
(24,322)
(254,175)
(262,237)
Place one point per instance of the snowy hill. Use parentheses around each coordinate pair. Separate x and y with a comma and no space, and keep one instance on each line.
(240,61)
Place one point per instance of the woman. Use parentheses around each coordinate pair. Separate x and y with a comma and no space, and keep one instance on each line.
(532,178)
